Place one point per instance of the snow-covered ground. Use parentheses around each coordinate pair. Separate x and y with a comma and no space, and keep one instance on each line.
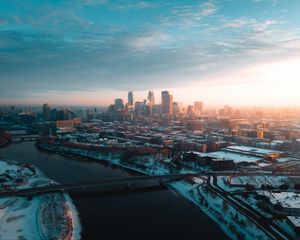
(289,198)
(258,181)
(48,216)
(232,222)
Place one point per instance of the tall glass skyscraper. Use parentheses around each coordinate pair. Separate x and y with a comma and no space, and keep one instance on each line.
(166,103)
(130,98)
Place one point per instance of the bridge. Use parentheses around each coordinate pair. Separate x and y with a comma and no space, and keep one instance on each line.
(79,186)
(82,186)
(24,138)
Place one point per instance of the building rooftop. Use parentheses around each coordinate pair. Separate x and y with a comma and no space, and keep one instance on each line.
(286,199)
(252,150)
(236,157)
(295,220)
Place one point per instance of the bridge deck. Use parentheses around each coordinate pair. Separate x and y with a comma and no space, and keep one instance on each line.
(107,181)
(80,185)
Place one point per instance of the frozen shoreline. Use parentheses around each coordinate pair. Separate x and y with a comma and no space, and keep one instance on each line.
(226,220)
(48,216)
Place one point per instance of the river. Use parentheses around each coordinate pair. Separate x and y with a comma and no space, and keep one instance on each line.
(155,215)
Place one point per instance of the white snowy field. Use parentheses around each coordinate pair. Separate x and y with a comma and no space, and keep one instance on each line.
(231,221)
(48,216)
(258,181)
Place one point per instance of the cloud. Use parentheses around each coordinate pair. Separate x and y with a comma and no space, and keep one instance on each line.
(274,2)
(95,47)
(238,23)
(87,2)
(188,15)
(148,41)
(138,5)
(207,9)
(39,61)
(256,25)
(3,21)
(251,28)
(261,27)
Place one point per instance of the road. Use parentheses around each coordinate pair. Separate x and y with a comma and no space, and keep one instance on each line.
(267,225)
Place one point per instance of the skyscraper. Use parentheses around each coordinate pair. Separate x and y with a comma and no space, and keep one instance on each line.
(130,98)
(166,102)
(198,106)
(176,109)
(47,112)
(190,111)
(119,104)
(170,104)
(151,98)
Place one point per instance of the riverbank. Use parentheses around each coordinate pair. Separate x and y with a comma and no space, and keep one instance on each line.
(48,216)
(161,214)
(193,190)
(109,158)
(5,139)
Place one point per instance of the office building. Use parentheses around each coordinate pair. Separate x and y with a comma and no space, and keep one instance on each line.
(166,102)
(130,98)
(198,107)
(150,98)
(119,104)
(46,112)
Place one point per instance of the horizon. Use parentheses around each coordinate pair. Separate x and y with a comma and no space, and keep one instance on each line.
(160,118)
(205,105)
(142,95)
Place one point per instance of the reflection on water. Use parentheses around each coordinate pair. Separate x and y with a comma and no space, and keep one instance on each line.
(156,215)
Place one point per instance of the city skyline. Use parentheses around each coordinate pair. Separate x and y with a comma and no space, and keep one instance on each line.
(243,52)
(170,119)
(140,96)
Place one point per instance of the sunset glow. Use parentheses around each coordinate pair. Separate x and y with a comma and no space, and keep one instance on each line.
(165,119)
(274,83)
(234,52)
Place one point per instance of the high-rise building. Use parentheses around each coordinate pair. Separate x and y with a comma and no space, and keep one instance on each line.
(198,106)
(190,111)
(151,102)
(47,112)
(119,104)
(176,109)
(170,104)
(166,102)
(139,108)
(130,98)
(228,111)
(54,114)
(151,98)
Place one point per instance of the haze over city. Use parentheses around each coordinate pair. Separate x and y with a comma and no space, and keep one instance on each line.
(89,52)
(150,119)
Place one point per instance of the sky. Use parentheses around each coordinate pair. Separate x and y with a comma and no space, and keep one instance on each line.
(89,52)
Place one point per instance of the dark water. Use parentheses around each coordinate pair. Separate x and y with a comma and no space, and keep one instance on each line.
(154,215)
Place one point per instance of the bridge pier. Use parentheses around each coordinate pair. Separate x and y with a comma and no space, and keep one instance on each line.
(161,183)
